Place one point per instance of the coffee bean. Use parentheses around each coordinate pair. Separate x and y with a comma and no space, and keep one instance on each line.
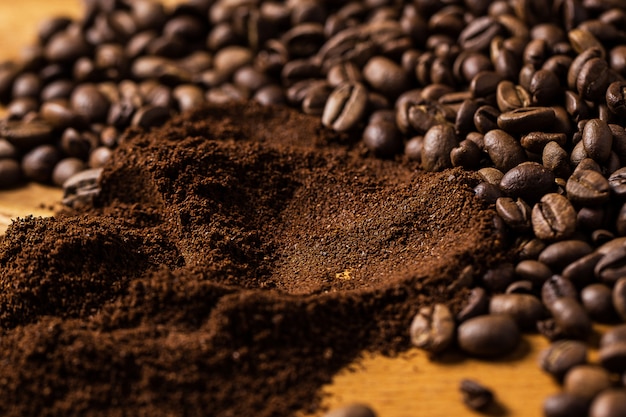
(581,271)
(609,403)
(525,309)
(10,173)
(533,271)
(491,175)
(87,101)
(612,266)
(510,96)
(561,356)
(439,141)
(529,249)
(65,169)
(557,287)
(385,76)
(478,34)
(38,163)
(515,213)
(616,98)
(433,328)
(477,304)
(564,404)
(527,119)
(588,188)
(488,335)
(352,410)
(485,84)
(150,116)
(576,107)
(26,135)
(382,139)
(520,287)
(475,395)
(544,87)
(421,117)
(553,218)
(593,79)
(617,183)
(466,155)
(498,278)
(346,107)
(558,255)
(188,97)
(82,188)
(619,297)
(485,118)
(66,46)
(570,317)
(597,139)
(504,150)
(528,180)
(586,381)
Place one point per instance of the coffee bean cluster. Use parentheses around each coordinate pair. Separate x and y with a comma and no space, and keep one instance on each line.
(530,94)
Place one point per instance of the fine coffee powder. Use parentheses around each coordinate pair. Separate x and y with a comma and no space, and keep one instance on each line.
(234,261)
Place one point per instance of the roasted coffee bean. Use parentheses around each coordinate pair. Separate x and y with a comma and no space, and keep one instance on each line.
(65,169)
(533,271)
(433,328)
(346,107)
(553,218)
(515,213)
(382,139)
(613,356)
(558,255)
(587,188)
(188,96)
(609,403)
(557,287)
(491,175)
(617,183)
(464,121)
(593,79)
(87,101)
(485,84)
(564,404)
(10,173)
(612,266)
(616,98)
(352,410)
(598,302)
(544,87)
(510,96)
(619,297)
(581,271)
(527,119)
(497,279)
(66,46)
(385,76)
(439,141)
(486,118)
(505,152)
(528,180)
(597,139)
(315,100)
(466,155)
(413,148)
(7,150)
(620,222)
(520,287)
(475,395)
(525,309)
(81,188)
(561,356)
(529,249)
(99,157)
(38,163)
(26,135)
(488,335)
(570,318)
(477,304)
(478,34)
(421,117)
(576,107)
(586,381)
(150,116)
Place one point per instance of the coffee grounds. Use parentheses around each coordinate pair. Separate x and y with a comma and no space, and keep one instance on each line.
(236,259)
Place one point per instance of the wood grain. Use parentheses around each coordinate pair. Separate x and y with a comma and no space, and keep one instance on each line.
(409,385)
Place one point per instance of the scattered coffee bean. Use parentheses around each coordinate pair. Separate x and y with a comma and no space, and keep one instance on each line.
(525,309)
(475,395)
(586,381)
(609,403)
(564,404)
(488,335)
(561,356)
(433,328)
(553,218)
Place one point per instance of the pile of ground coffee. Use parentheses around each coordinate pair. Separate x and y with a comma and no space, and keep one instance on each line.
(234,261)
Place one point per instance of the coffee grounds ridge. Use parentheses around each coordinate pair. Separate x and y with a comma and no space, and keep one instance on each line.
(236,259)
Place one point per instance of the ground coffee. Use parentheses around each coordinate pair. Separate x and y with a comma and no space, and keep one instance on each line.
(234,261)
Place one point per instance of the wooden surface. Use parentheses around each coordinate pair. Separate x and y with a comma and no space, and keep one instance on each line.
(410,385)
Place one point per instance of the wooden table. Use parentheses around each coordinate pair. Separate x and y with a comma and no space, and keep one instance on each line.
(407,386)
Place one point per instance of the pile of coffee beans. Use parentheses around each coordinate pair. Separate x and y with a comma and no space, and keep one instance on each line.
(530,94)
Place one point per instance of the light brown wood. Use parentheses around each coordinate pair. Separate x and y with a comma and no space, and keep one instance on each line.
(410,385)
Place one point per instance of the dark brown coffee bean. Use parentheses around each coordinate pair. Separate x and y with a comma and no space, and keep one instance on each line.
(525,309)
(593,79)
(385,76)
(491,175)
(553,218)
(188,96)
(413,148)
(530,248)
(527,119)
(87,101)
(498,278)
(10,173)
(488,335)
(581,271)
(586,381)
(81,188)
(422,117)
(60,116)
(18,108)
(475,395)
(26,135)
(38,164)
(26,85)
(544,87)
(515,213)
(557,287)
(486,118)
(65,169)
(533,271)
(609,403)
(560,254)
(597,139)
(478,34)
(587,188)
(556,159)
(617,183)
(439,141)
(576,107)
(346,107)
(504,151)
(578,63)
(466,155)
(66,46)
(510,96)
(616,98)
(433,328)
(315,100)
(528,180)
(612,266)
(564,404)
(485,84)
(570,318)
(352,410)
(520,287)
(99,157)
(382,139)
(151,116)
(561,356)
(598,302)
(619,297)
(487,192)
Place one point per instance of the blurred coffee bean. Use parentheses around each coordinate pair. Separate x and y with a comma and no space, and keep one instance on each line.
(558,255)
(476,304)
(619,297)
(151,116)
(485,118)
(564,404)
(557,287)
(533,271)
(598,302)
(87,101)
(433,328)
(65,169)
(385,76)
(10,173)
(525,309)
(515,213)
(561,356)
(570,317)
(346,107)
(82,188)
(475,395)
(609,403)
(488,335)
(26,135)
(383,139)
(39,163)
(581,271)
(612,266)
